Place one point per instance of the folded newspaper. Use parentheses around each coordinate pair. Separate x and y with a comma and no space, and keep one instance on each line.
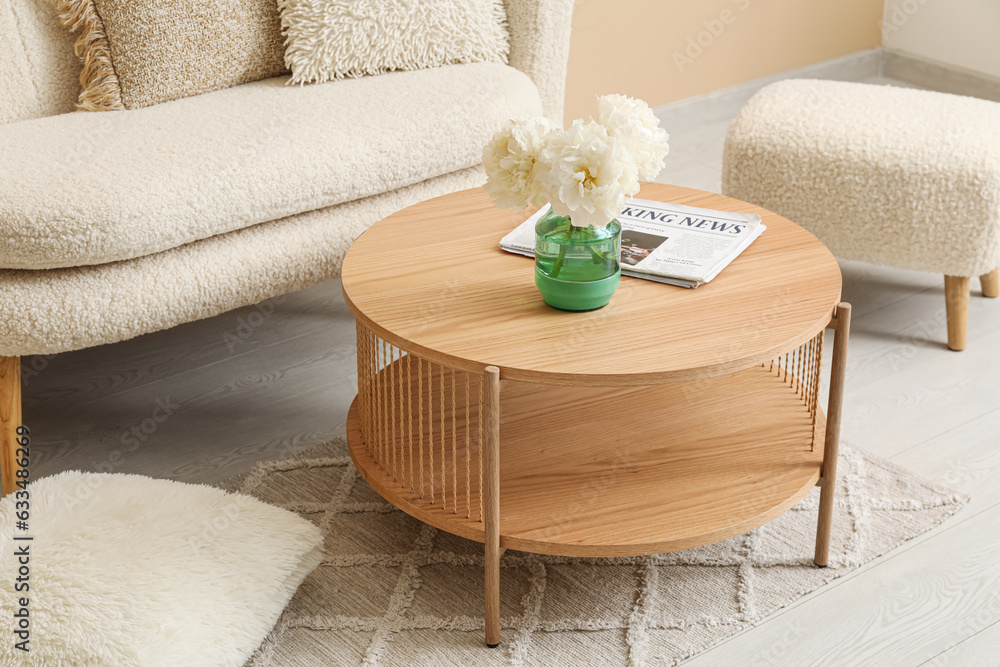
(669,243)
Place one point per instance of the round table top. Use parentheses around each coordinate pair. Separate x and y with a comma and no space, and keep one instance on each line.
(432,280)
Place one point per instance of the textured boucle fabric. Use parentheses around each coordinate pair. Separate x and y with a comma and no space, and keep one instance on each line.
(351,38)
(39,75)
(539,36)
(58,310)
(539,47)
(903,177)
(93,188)
(144,52)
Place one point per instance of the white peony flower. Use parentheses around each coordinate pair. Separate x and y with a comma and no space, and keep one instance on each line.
(633,123)
(586,171)
(586,174)
(510,159)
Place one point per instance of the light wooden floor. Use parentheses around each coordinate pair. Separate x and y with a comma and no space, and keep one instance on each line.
(266,382)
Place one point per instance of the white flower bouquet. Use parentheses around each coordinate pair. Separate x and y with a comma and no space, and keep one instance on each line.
(585,171)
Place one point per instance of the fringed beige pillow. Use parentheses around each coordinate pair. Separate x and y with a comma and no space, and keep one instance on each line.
(333,39)
(141,52)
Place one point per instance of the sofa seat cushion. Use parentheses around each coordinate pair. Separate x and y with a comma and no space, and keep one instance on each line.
(48,312)
(92,188)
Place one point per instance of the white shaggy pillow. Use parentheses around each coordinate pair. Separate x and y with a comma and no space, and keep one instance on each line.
(126,571)
(333,39)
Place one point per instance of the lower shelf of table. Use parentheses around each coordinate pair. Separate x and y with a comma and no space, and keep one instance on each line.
(590,471)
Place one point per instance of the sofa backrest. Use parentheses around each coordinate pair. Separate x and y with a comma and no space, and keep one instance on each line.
(39,72)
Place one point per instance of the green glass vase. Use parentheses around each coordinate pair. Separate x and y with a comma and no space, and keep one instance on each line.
(576,268)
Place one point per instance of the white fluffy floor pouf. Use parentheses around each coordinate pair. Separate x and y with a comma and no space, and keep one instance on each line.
(126,570)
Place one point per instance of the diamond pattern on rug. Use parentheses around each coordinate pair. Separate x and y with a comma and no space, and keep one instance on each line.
(393,591)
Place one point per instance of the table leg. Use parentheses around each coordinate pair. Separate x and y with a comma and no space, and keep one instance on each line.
(491,501)
(831,447)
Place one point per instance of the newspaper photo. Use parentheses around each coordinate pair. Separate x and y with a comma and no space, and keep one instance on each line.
(669,243)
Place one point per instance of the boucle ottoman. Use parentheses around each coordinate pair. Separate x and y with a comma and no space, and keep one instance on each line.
(895,176)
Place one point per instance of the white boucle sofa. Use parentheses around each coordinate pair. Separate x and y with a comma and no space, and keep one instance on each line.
(116,224)
(894,176)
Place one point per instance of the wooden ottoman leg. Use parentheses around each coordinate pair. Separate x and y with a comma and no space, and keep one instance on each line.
(831,447)
(956,295)
(990,282)
(491,501)
(10,419)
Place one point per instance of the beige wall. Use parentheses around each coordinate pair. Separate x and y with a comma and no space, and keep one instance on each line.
(956,32)
(650,49)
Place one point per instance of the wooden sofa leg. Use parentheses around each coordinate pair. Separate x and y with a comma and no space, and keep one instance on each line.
(956,295)
(10,419)
(990,282)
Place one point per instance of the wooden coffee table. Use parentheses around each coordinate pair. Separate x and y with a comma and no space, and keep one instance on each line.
(669,419)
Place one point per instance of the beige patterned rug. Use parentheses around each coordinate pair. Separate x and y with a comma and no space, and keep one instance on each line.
(393,592)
